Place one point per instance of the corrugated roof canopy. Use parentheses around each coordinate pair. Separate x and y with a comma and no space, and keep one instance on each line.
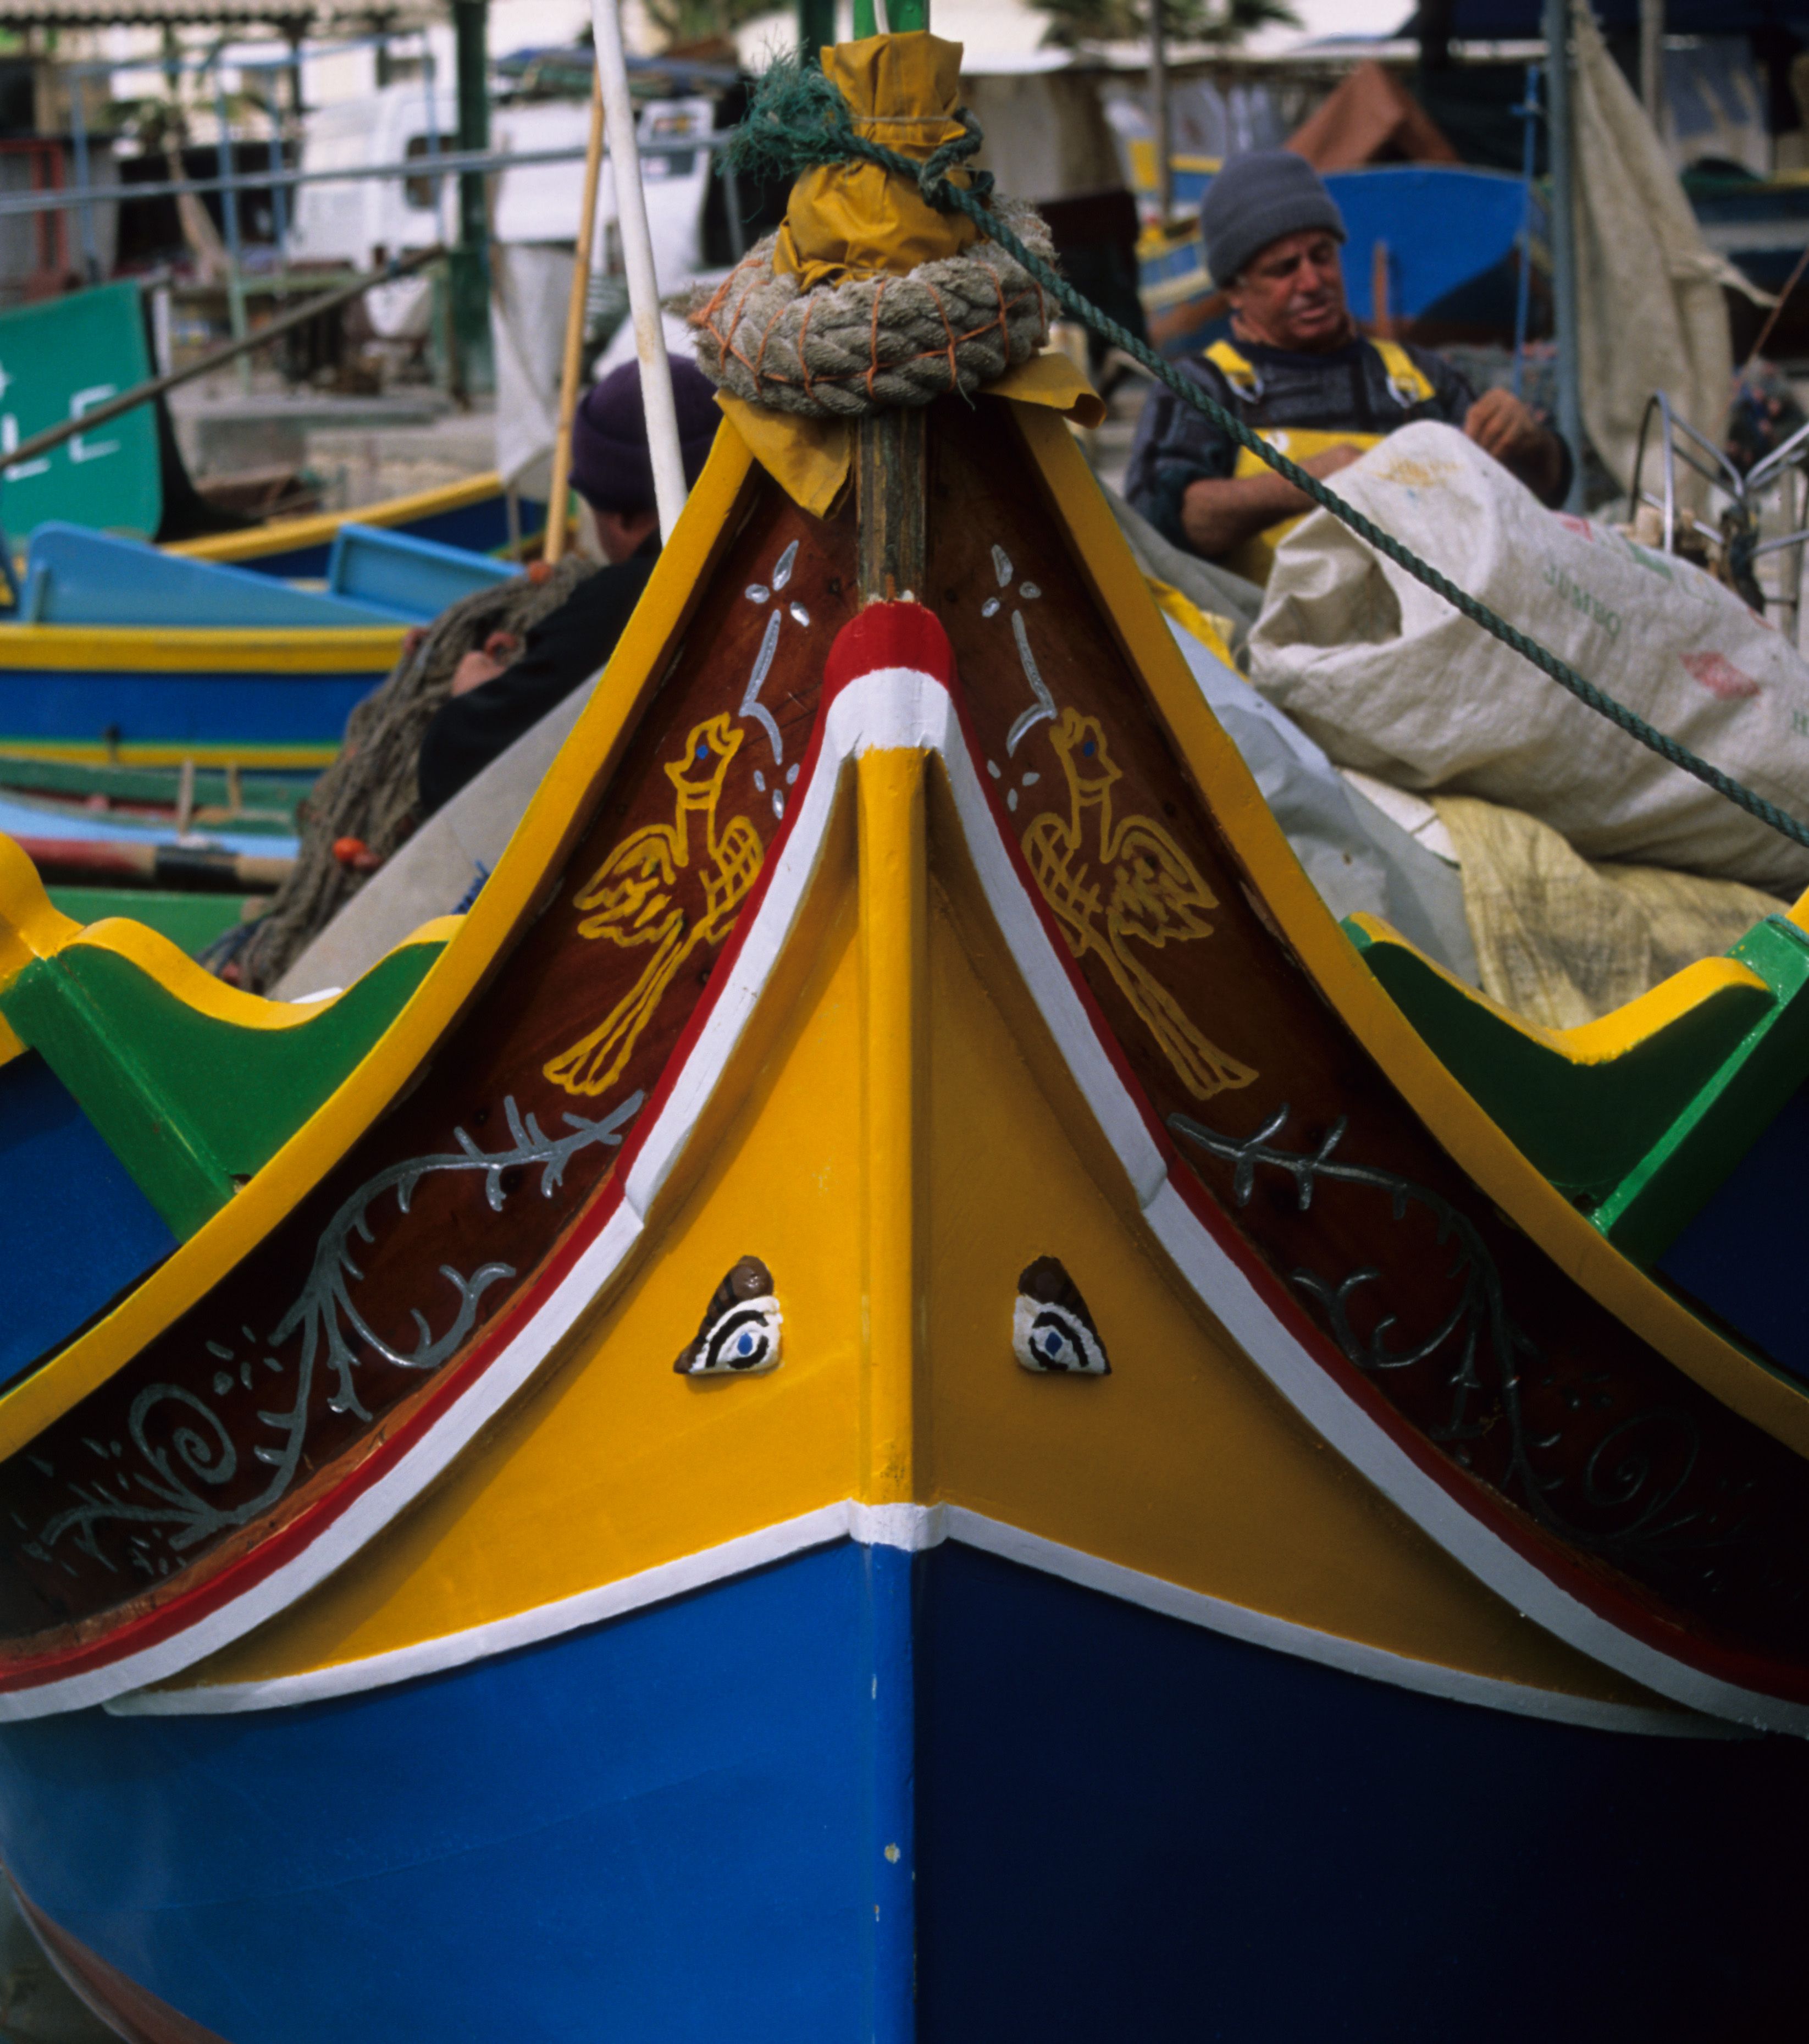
(206,14)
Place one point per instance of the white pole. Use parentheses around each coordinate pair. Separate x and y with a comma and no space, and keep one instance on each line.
(637,252)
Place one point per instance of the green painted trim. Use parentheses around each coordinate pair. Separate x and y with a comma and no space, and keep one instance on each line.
(1733,1107)
(191,1105)
(191,921)
(1584,1127)
(1642,1140)
(276,790)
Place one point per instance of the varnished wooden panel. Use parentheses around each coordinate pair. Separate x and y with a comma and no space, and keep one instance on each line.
(1436,1304)
(277,1381)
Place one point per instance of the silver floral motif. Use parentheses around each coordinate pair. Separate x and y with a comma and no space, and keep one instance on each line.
(164,1492)
(1638,1468)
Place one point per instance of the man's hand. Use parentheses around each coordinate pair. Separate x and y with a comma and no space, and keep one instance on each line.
(1217,515)
(1323,465)
(485,665)
(1502,426)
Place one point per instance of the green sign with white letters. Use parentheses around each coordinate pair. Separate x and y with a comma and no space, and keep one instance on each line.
(59,359)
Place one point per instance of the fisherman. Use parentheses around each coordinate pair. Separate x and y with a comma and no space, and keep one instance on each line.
(505,688)
(1297,371)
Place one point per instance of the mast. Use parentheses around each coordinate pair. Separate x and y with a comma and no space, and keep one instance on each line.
(1159,110)
(573,362)
(1564,235)
(637,256)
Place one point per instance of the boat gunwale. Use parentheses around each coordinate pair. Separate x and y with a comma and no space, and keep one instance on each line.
(510,899)
(1747,1384)
(1485,1531)
(1612,1619)
(318,528)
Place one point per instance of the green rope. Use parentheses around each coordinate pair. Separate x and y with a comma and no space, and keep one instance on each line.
(799,119)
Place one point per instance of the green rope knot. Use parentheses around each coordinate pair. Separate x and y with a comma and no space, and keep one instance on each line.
(799,119)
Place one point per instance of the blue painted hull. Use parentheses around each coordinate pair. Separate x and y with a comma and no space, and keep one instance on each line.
(80,1231)
(479,528)
(83,705)
(675,1827)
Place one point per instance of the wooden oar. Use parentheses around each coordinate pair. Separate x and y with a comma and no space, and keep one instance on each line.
(572,366)
(189,868)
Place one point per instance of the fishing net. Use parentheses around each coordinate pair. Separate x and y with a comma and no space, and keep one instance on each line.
(371,793)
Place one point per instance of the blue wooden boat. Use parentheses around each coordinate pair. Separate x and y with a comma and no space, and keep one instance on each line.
(259,696)
(937,1606)
(121,649)
(1445,238)
(472,514)
(895,1393)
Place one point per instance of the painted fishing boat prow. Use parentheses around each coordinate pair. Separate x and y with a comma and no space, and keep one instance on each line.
(897,1322)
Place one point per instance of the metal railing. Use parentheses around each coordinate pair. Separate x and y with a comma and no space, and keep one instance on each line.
(449,163)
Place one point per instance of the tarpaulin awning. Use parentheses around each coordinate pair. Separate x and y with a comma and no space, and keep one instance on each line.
(1371,118)
(1509,20)
(232,13)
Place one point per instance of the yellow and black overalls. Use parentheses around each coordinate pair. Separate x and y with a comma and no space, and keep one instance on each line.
(1407,384)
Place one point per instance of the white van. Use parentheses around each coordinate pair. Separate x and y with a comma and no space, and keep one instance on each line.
(374,219)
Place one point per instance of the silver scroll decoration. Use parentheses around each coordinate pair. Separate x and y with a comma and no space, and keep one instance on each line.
(1489,1354)
(162,1487)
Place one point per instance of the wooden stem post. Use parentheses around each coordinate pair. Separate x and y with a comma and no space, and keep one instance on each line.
(572,366)
(889,482)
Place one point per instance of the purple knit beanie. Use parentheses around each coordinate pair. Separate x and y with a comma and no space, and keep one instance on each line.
(611,468)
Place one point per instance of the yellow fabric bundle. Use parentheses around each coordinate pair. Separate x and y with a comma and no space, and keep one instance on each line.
(856,219)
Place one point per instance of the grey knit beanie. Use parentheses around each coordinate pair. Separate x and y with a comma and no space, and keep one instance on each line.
(1256,199)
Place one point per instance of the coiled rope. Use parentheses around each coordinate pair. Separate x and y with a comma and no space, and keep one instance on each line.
(799,119)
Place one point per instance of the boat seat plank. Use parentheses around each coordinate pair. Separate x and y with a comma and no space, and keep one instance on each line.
(399,574)
(1640,1115)
(73,576)
(192,1085)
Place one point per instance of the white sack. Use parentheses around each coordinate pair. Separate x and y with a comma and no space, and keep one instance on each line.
(1391,680)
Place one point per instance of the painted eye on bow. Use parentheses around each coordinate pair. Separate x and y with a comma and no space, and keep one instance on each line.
(743,1339)
(1052,1331)
(1057,1342)
(740,1330)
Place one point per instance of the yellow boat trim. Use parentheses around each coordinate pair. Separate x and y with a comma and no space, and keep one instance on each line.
(510,897)
(1015,1164)
(333,649)
(895,1230)
(1610,1035)
(31,928)
(172,752)
(284,536)
(1479,1146)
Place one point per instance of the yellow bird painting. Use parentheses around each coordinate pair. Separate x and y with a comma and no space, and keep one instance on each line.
(1121,890)
(648,893)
